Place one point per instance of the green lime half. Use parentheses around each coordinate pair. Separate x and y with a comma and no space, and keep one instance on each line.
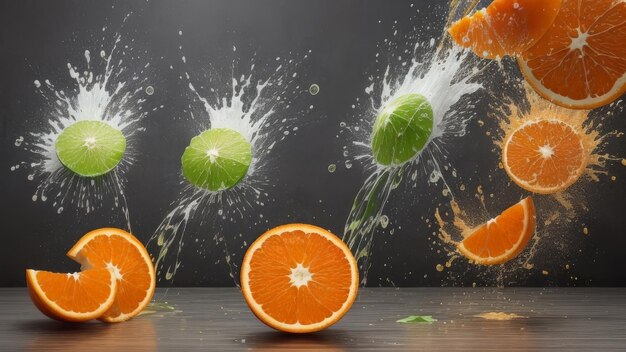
(402,129)
(217,159)
(90,148)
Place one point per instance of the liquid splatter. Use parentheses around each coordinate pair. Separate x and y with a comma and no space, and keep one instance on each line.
(499,316)
(447,77)
(261,110)
(107,86)
(560,214)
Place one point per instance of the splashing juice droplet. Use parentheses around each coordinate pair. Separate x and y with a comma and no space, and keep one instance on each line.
(384,221)
(314,89)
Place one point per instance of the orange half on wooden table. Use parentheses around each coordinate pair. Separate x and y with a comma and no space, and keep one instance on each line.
(116,283)
(73,297)
(299,278)
(123,254)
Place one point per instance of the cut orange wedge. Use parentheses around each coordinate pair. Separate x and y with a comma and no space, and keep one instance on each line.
(580,62)
(122,254)
(73,297)
(503,238)
(505,27)
(299,278)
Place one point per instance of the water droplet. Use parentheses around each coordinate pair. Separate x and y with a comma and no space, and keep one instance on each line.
(314,89)
(161,239)
(384,221)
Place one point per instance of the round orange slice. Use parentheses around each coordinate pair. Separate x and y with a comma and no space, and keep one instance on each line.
(544,156)
(74,297)
(122,254)
(505,27)
(299,278)
(580,62)
(503,238)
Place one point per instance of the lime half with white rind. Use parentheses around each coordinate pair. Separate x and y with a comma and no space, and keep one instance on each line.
(90,148)
(217,159)
(402,129)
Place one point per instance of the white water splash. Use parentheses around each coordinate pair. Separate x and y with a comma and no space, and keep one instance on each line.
(104,90)
(447,78)
(260,110)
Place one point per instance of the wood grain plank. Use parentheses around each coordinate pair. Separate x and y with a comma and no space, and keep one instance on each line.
(217,319)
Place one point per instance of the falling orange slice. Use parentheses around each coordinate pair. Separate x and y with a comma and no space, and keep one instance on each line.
(503,238)
(122,254)
(505,27)
(299,278)
(580,62)
(544,156)
(73,297)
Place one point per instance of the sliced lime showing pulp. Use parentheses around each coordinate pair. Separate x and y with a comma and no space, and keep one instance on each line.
(90,148)
(402,129)
(217,159)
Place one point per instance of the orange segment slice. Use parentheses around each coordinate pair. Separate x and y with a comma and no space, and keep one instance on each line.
(503,238)
(544,156)
(299,278)
(72,297)
(505,27)
(580,62)
(122,254)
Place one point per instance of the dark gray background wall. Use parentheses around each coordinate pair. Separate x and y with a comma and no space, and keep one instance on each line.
(38,38)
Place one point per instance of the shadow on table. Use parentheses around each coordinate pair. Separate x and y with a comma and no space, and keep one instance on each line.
(136,334)
(328,340)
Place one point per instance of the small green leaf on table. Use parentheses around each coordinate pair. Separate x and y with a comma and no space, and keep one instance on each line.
(419,319)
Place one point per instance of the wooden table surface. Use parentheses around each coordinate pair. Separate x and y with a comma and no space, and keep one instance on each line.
(217,319)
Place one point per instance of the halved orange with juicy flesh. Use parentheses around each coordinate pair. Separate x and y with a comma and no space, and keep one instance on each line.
(505,27)
(74,297)
(122,254)
(544,156)
(580,62)
(503,238)
(299,278)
